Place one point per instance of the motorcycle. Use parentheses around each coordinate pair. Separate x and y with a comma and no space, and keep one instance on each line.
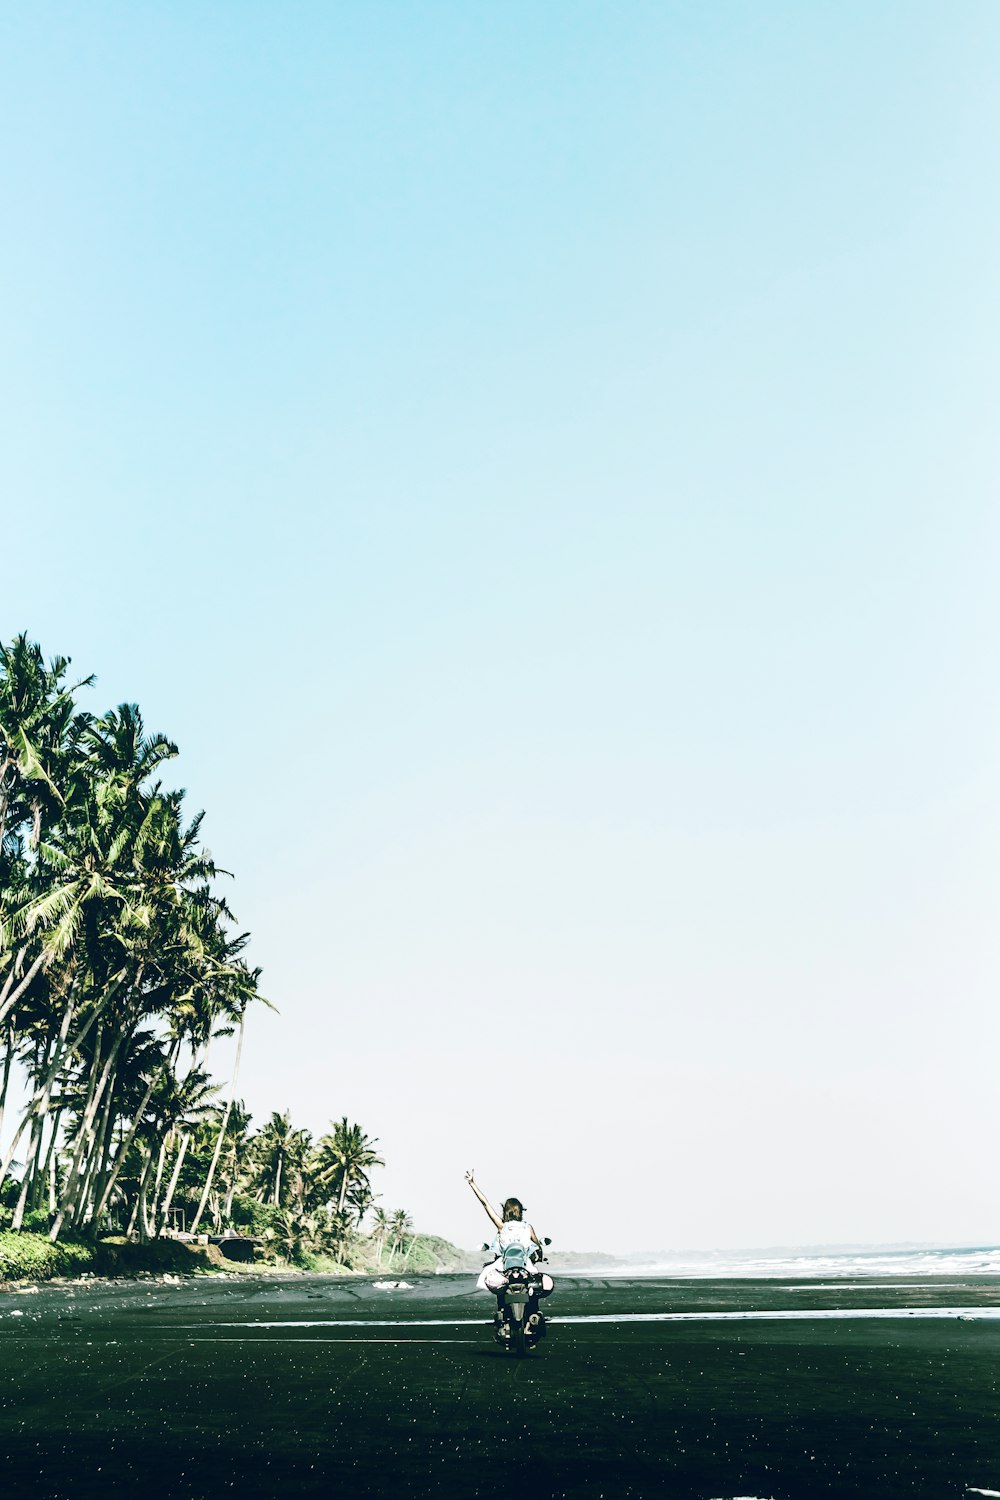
(519,1322)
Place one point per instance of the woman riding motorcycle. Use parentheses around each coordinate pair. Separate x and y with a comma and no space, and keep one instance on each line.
(512,1229)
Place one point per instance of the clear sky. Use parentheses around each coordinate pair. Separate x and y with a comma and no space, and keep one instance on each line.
(541,462)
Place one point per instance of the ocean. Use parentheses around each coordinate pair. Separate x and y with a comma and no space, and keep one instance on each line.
(819,1263)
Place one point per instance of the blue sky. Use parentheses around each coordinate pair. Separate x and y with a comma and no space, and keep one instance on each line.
(541,465)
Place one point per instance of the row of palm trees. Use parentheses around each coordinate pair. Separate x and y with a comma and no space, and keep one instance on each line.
(315,1197)
(121,966)
(305,1196)
(300,1196)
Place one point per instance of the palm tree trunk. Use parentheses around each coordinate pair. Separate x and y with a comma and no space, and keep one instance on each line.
(28,1197)
(61,1054)
(30,1168)
(222,1127)
(90,1107)
(228,1208)
(150,1212)
(99,1083)
(9,996)
(6,787)
(99,1159)
(171,1186)
(7,1060)
(124,1148)
(40,1099)
(39,1163)
(49,1171)
(139,1206)
(345,1182)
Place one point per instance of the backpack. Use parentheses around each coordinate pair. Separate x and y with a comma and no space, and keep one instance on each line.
(515,1257)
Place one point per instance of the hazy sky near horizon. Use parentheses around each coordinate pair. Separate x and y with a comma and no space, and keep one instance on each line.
(541,465)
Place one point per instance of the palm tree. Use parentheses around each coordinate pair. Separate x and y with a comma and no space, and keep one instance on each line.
(229,1104)
(38,748)
(146,1066)
(399,1227)
(276,1146)
(359,1200)
(36,708)
(235,1156)
(345,1157)
(116,958)
(187,1103)
(88,905)
(296,1233)
(381,1226)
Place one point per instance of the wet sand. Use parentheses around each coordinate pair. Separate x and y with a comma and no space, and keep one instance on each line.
(324,1387)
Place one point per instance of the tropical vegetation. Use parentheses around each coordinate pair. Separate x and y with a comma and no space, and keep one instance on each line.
(121,966)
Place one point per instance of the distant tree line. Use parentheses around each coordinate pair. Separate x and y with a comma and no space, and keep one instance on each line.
(120,966)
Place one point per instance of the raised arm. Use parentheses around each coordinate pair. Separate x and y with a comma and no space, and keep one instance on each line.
(497,1220)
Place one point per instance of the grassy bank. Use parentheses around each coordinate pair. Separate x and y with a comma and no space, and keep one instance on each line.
(31,1257)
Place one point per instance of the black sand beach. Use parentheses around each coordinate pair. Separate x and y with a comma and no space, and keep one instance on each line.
(318,1386)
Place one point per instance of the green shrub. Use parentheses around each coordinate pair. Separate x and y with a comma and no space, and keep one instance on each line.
(30,1257)
(37,1221)
(254,1218)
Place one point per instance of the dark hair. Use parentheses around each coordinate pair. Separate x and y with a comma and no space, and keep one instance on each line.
(513,1209)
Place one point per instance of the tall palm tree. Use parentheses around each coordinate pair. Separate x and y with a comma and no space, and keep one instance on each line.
(381,1225)
(36,709)
(235,1160)
(276,1146)
(39,736)
(345,1156)
(192,1100)
(242,998)
(399,1227)
(119,962)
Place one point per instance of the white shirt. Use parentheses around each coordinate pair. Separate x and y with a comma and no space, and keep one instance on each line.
(514,1232)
